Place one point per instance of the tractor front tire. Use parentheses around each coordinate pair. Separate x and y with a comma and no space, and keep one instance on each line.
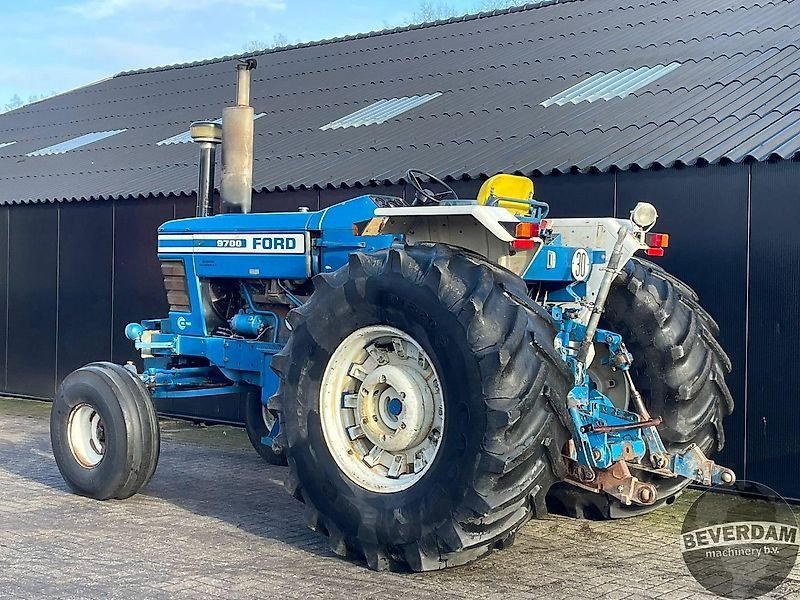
(104,432)
(423,345)
(679,368)
(256,425)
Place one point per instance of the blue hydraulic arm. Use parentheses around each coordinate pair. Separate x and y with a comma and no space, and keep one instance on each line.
(608,440)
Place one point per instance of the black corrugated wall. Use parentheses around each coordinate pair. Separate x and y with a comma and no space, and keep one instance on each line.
(772,411)
(73,274)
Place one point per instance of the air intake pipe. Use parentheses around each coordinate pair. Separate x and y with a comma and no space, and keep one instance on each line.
(236,186)
(207,135)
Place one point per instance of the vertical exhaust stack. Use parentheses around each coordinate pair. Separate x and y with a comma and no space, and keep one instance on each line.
(207,135)
(236,186)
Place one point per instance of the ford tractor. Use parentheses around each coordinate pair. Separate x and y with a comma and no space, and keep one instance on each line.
(434,370)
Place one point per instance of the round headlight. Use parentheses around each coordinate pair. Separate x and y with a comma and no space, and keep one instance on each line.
(644,215)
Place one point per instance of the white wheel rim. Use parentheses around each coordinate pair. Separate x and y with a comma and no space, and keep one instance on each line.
(86,435)
(608,381)
(382,409)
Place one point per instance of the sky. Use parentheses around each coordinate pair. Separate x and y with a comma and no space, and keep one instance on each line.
(52,46)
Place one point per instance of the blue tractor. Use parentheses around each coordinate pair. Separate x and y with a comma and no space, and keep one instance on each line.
(435,371)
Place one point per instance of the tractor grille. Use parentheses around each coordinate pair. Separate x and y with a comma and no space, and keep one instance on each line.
(175,284)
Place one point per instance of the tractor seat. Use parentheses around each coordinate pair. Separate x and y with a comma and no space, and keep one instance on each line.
(512,192)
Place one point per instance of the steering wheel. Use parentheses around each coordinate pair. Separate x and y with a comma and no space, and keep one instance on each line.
(423,196)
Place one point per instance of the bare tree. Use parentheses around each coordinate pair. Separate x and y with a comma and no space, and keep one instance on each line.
(432,11)
(483,5)
(16,102)
(428,10)
(278,41)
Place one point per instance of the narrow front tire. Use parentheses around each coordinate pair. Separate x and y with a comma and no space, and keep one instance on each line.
(104,432)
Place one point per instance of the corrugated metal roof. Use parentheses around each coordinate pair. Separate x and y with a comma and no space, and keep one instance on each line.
(735,96)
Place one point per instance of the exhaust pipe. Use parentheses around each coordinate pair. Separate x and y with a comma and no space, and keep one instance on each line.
(207,135)
(236,187)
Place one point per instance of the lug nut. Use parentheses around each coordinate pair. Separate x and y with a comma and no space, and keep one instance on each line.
(726,477)
(646,495)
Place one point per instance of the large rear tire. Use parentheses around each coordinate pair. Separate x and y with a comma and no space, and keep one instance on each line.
(679,368)
(485,472)
(104,432)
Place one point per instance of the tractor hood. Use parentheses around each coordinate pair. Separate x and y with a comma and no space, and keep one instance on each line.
(238,222)
(338,216)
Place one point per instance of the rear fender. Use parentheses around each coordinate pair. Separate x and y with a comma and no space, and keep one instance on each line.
(485,230)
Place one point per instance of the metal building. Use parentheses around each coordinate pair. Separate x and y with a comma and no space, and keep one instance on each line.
(694,106)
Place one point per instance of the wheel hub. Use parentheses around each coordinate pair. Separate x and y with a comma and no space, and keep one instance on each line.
(396,407)
(382,409)
(86,434)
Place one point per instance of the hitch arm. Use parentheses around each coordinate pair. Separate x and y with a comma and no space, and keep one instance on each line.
(612,428)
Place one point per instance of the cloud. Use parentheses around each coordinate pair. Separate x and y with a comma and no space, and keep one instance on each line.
(103,9)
